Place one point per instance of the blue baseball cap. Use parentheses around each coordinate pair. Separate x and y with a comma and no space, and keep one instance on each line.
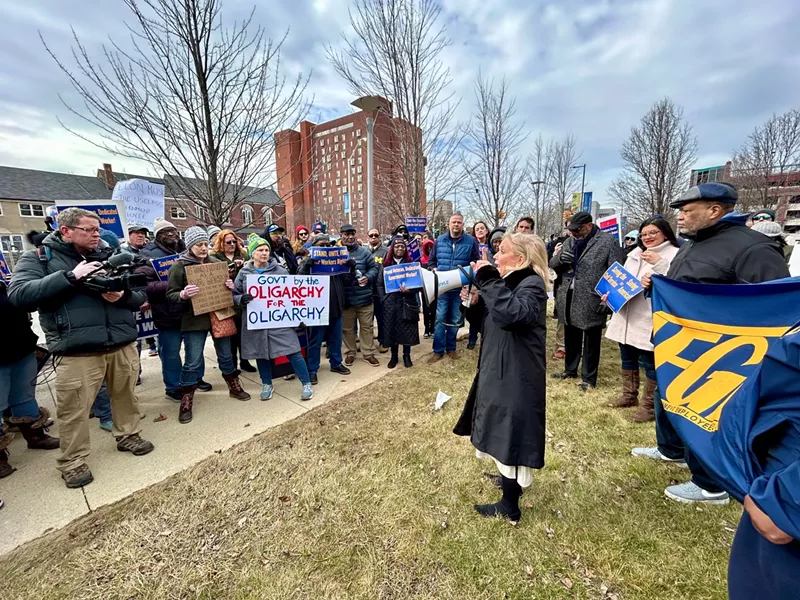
(275,228)
(721,192)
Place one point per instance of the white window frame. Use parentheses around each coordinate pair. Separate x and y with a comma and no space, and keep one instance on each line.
(32,207)
(177,212)
(266,214)
(200,213)
(7,240)
(247,210)
(1,210)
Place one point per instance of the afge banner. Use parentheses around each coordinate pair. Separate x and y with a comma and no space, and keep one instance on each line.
(287,301)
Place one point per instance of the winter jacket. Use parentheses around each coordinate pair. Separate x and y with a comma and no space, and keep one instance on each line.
(166,315)
(16,327)
(175,284)
(379,254)
(400,326)
(728,252)
(263,343)
(232,268)
(354,294)
(449,253)
(633,324)
(75,320)
(505,411)
(427,248)
(580,278)
(336,289)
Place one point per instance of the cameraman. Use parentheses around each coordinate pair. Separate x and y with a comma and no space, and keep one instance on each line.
(92,335)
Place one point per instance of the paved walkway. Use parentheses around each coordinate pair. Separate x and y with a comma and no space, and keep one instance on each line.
(37,501)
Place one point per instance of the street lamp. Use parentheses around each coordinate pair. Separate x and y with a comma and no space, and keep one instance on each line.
(583,182)
(370,105)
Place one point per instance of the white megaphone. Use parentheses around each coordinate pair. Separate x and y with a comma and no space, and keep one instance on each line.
(439,282)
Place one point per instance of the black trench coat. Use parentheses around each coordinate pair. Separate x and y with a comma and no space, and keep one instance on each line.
(505,411)
(400,325)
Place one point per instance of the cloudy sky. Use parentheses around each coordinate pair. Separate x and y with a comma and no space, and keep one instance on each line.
(589,67)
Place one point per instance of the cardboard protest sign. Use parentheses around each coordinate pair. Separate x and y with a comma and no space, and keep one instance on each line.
(144,324)
(329,261)
(406,273)
(620,285)
(416,224)
(5,272)
(210,278)
(287,301)
(414,251)
(162,265)
(611,226)
(143,201)
(110,212)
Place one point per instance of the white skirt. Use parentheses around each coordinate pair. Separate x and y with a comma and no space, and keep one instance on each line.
(523,475)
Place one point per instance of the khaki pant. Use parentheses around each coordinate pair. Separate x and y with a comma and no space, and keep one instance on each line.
(364,314)
(560,335)
(78,379)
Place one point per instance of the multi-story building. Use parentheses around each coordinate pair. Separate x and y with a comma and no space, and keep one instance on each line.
(323,166)
(710,174)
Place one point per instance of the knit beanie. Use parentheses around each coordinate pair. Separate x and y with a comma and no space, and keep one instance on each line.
(212,231)
(195,235)
(254,241)
(300,228)
(768,228)
(160,224)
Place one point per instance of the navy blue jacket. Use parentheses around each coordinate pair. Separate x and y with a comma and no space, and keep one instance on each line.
(354,294)
(450,253)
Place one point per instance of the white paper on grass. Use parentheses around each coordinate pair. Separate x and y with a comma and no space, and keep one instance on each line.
(441,398)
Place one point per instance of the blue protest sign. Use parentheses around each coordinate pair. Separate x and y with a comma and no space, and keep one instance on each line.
(416,224)
(484,249)
(586,206)
(162,265)
(110,212)
(5,272)
(329,261)
(407,274)
(414,251)
(620,285)
(144,324)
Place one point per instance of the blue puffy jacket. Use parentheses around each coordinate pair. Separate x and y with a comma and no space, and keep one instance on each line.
(449,253)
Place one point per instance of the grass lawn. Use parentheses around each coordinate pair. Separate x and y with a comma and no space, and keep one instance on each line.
(371,497)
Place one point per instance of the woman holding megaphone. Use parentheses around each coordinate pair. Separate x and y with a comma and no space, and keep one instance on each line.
(505,411)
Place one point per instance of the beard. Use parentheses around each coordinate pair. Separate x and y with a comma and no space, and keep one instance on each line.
(171,242)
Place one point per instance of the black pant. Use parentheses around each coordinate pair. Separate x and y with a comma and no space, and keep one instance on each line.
(586,342)
(429,315)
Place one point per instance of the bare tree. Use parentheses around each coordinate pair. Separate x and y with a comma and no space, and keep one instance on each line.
(395,52)
(770,154)
(658,154)
(191,98)
(565,178)
(497,172)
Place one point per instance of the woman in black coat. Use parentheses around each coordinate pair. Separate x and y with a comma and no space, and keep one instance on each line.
(400,309)
(505,412)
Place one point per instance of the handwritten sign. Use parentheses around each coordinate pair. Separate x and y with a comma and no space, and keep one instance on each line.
(620,285)
(414,251)
(611,226)
(403,274)
(330,261)
(144,324)
(110,212)
(287,301)
(210,278)
(162,265)
(416,224)
(143,200)
(5,272)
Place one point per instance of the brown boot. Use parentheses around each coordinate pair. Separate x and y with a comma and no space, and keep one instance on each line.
(630,390)
(5,437)
(235,389)
(646,411)
(34,431)
(187,402)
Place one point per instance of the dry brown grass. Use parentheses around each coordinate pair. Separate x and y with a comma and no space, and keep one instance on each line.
(371,497)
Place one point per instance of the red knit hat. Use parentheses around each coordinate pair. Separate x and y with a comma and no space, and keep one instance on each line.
(299,228)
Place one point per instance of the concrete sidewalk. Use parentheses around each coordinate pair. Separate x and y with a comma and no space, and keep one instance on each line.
(37,501)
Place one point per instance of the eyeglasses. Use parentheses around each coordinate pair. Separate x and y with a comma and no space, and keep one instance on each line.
(762,218)
(89,230)
(649,234)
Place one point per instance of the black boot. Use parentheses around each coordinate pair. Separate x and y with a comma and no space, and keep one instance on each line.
(246,366)
(508,507)
(407,357)
(34,431)
(393,360)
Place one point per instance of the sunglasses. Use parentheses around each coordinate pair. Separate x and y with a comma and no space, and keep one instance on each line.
(374,235)
(231,243)
(762,218)
(303,233)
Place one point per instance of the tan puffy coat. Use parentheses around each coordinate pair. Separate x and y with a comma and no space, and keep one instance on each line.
(633,324)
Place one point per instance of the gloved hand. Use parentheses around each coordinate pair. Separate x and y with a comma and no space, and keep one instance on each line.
(567,257)
(245,299)
(311,261)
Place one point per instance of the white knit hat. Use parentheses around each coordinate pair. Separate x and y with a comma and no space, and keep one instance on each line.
(160,224)
(195,235)
(768,228)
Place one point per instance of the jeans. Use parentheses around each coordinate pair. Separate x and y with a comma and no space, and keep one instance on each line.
(632,358)
(194,343)
(448,322)
(101,407)
(169,343)
(316,335)
(18,387)
(298,364)
(583,344)
(377,307)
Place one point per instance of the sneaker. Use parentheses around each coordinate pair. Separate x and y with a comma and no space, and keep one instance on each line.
(174,395)
(691,493)
(341,370)
(373,362)
(382,349)
(77,477)
(313,378)
(655,454)
(267,390)
(204,386)
(307,393)
(563,375)
(289,377)
(426,336)
(349,359)
(435,358)
(134,444)
(153,352)
(107,425)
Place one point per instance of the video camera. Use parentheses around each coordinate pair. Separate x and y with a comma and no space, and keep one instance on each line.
(116,274)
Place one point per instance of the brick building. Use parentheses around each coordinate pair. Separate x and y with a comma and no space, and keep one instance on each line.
(320,164)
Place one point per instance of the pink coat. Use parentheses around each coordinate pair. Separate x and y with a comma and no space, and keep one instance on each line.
(633,324)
